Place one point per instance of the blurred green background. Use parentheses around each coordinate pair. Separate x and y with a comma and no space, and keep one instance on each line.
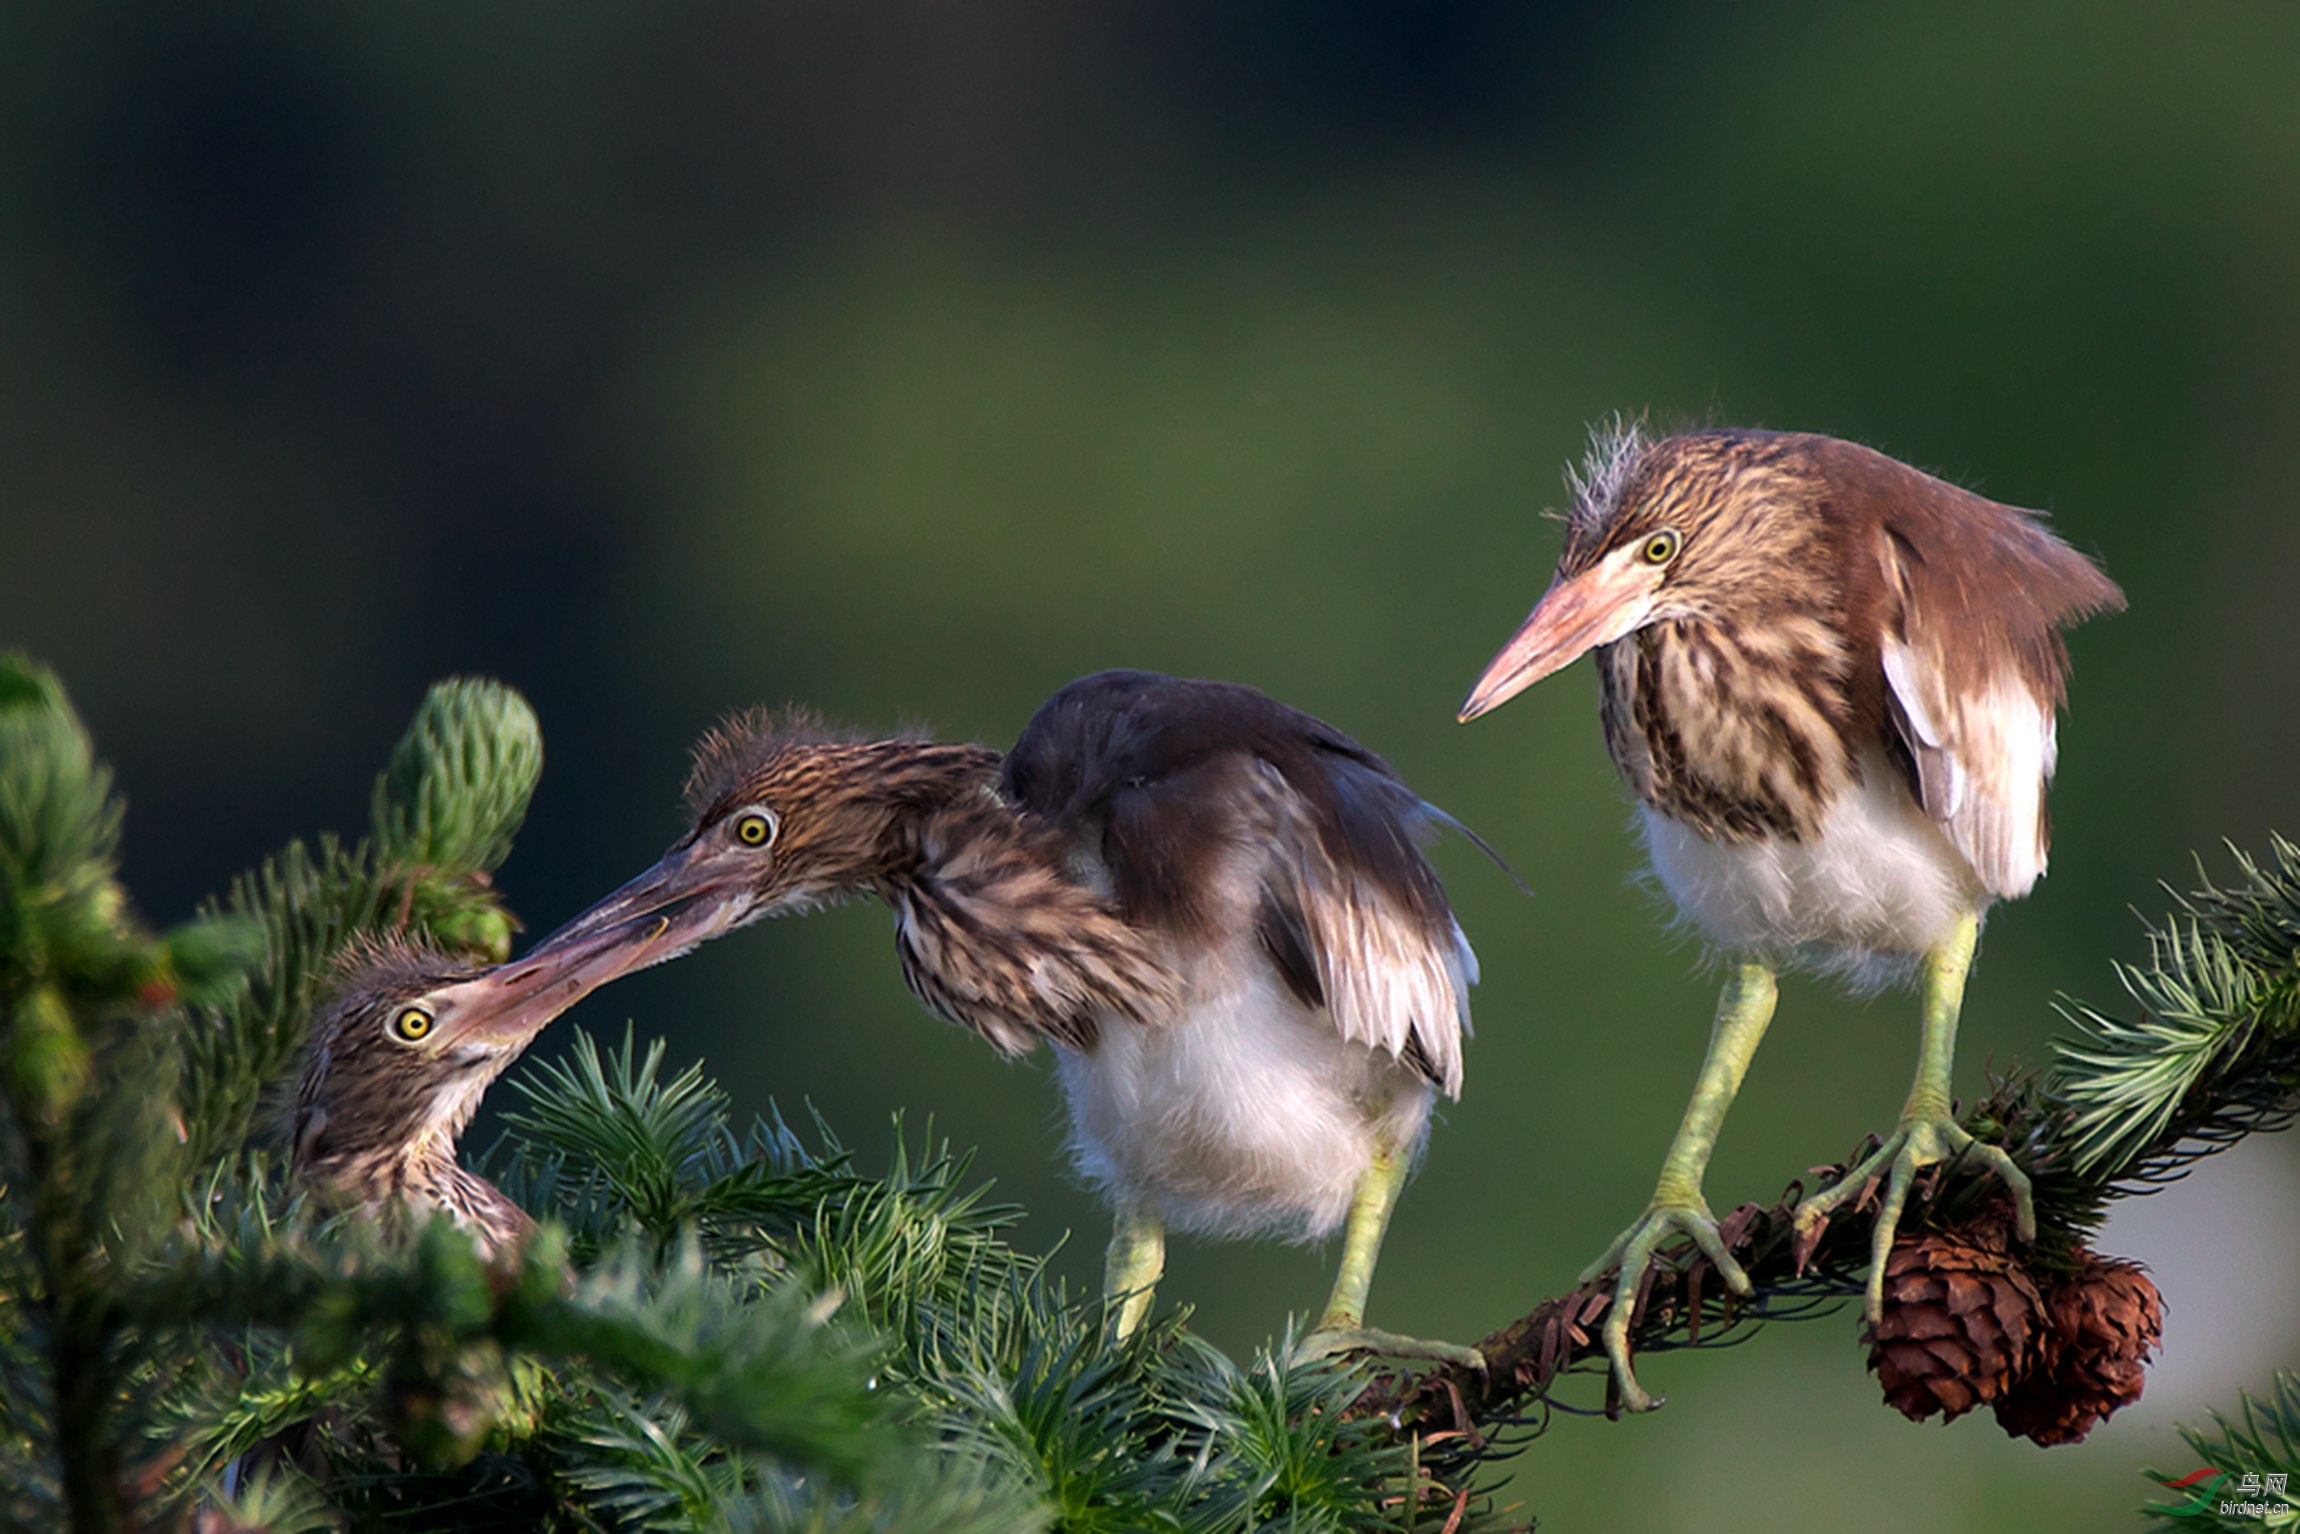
(909,359)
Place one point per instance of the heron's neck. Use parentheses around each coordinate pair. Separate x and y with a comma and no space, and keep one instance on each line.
(480,1207)
(416,1178)
(874,836)
(996,934)
(1738,729)
(400,1164)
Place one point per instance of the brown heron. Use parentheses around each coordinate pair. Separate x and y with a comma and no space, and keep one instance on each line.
(401,1056)
(1831,681)
(1213,907)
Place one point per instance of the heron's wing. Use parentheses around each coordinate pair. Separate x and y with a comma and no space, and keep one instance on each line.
(998,937)
(1210,811)
(1974,598)
(1353,918)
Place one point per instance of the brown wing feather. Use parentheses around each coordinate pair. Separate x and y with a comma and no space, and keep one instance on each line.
(1207,804)
(996,936)
(1384,976)
(1970,598)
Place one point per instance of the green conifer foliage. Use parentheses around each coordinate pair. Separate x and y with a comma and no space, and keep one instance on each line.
(88,998)
(745,1328)
(445,808)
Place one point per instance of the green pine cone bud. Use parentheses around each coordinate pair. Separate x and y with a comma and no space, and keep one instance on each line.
(25,683)
(486,932)
(59,825)
(210,956)
(456,1277)
(457,784)
(540,1280)
(463,915)
(48,1062)
(329,1334)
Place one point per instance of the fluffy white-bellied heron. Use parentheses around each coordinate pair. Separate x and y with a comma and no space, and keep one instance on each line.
(401,1055)
(1213,907)
(1831,681)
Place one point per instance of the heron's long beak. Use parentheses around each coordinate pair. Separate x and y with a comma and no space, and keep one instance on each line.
(1606,602)
(513,1002)
(693,895)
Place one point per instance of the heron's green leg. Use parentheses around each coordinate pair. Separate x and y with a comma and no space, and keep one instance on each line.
(1928,1132)
(1371,1204)
(1133,1265)
(1743,1011)
(1343,1329)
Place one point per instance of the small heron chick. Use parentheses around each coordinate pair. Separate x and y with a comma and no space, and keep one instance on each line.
(1831,682)
(1213,907)
(401,1056)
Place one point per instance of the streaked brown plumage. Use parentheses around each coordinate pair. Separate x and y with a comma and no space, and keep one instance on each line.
(1213,906)
(402,1053)
(991,931)
(1831,682)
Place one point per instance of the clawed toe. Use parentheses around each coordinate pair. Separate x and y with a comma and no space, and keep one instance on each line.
(1918,1143)
(1631,1253)
(1330,1341)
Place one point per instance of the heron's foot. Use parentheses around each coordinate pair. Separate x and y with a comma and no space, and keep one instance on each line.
(1922,1141)
(1632,1252)
(1336,1335)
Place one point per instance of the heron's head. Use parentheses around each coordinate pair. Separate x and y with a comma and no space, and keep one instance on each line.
(788,815)
(1703,527)
(409,1042)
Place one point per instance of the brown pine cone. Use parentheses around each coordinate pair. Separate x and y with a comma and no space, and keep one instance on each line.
(1960,1324)
(2102,1321)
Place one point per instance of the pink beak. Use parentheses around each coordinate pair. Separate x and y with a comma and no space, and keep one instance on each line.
(1573,617)
(513,1002)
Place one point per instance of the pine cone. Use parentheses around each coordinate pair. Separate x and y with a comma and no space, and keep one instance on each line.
(2102,1321)
(1960,1324)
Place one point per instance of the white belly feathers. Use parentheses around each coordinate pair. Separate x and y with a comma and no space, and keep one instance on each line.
(1247,1115)
(1876,888)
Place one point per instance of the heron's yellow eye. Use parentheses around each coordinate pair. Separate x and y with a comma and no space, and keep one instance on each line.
(1660,548)
(755,828)
(412,1023)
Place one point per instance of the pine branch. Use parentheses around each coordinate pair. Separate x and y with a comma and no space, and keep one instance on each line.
(997,1369)
(1462,1416)
(646,1469)
(776,1376)
(1040,1388)
(2215,1052)
(1288,1451)
(2243,1452)
(278,1499)
(87,997)
(606,1141)
(307,904)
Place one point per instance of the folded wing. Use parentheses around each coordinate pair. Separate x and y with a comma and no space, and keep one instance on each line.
(1975,671)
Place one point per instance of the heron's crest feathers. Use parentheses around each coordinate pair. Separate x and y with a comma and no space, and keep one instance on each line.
(395,962)
(743,744)
(1616,447)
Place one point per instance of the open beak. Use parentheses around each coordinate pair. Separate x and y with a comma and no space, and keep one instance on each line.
(690,897)
(686,899)
(1607,602)
(511,1003)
